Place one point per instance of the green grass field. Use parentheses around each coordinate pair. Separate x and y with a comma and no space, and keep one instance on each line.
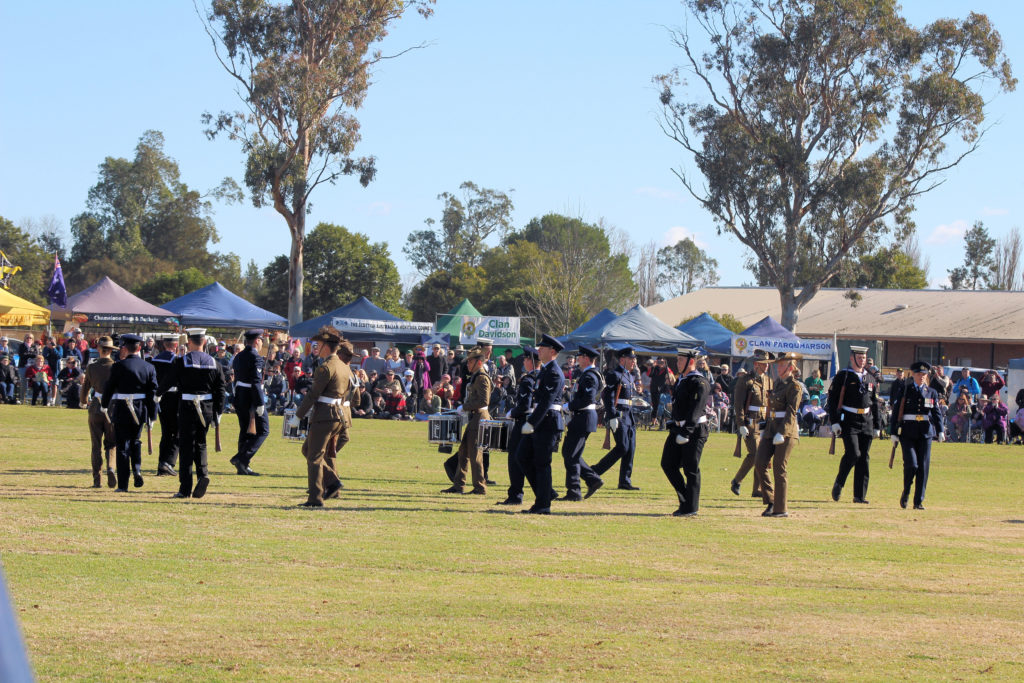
(398,581)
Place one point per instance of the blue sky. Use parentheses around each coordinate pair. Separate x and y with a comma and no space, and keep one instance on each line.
(552,100)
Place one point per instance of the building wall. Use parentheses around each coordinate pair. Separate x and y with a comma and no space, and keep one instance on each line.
(900,354)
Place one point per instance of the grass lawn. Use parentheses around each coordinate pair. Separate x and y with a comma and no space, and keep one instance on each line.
(398,581)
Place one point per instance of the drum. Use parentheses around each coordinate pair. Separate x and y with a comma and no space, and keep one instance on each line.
(493,434)
(444,429)
(294,433)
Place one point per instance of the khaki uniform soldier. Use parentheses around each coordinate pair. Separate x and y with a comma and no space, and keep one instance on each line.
(101,431)
(478,396)
(781,434)
(749,402)
(330,415)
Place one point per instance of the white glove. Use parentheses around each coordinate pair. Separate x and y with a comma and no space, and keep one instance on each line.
(744,431)
(895,439)
(680,439)
(216,418)
(613,423)
(527,428)
(877,433)
(105,413)
(836,429)
(260,410)
(777,439)
(156,399)
(942,437)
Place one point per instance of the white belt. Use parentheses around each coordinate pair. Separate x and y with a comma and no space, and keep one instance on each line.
(128,397)
(858,411)
(780,413)
(625,401)
(755,409)
(592,406)
(700,420)
(193,397)
(332,401)
(915,418)
(97,397)
(243,384)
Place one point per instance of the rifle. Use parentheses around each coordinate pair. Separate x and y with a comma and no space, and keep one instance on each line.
(607,431)
(216,432)
(899,425)
(149,438)
(252,423)
(737,453)
(839,409)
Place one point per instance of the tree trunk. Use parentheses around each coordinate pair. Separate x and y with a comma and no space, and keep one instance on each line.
(790,311)
(295,271)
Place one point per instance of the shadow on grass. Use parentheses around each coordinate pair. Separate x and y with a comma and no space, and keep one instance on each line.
(1013,521)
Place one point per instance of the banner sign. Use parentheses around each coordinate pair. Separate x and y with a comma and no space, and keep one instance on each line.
(130,318)
(743,346)
(383,327)
(504,331)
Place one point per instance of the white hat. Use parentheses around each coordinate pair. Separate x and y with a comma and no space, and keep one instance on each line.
(195,331)
(408,373)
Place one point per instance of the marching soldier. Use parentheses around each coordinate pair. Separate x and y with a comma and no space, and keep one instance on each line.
(250,403)
(853,413)
(582,409)
(101,431)
(486,346)
(780,436)
(477,398)
(688,432)
(167,409)
(198,380)
(544,425)
(618,415)
(330,415)
(750,397)
(913,425)
(131,391)
(520,411)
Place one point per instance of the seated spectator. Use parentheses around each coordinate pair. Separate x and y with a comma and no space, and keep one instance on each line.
(8,380)
(445,391)
(456,392)
(362,406)
(991,383)
(389,384)
(978,413)
(69,380)
(394,404)
(302,384)
(431,402)
(1017,427)
(813,415)
(407,382)
(39,377)
(994,421)
(276,388)
(815,385)
(720,402)
(968,383)
(960,418)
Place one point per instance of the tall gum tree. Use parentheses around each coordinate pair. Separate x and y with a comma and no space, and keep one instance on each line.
(815,124)
(301,69)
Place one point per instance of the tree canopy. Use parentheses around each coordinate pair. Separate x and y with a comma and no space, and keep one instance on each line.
(979,260)
(821,123)
(302,69)
(684,267)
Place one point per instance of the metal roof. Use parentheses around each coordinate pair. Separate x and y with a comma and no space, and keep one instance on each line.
(912,314)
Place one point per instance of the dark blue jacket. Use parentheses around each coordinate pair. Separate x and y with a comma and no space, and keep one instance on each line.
(524,396)
(919,402)
(689,400)
(196,373)
(547,398)
(618,378)
(133,376)
(587,387)
(860,394)
(248,367)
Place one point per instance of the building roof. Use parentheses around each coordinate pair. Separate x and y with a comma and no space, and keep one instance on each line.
(912,314)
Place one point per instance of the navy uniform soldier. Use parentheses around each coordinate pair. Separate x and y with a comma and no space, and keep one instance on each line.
(749,401)
(780,436)
(618,415)
(853,413)
(688,432)
(921,422)
(129,397)
(330,414)
(521,408)
(250,403)
(582,411)
(544,426)
(168,405)
(198,379)
(101,431)
(477,398)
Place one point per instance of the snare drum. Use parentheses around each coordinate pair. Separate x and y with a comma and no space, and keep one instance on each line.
(294,433)
(493,434)
(444,429)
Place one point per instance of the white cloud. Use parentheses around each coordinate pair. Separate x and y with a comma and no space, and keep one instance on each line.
(947,233)
(989,211)
(677,233)
(379,209)
(659,193)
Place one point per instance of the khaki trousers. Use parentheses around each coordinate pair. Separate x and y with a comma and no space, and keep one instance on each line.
(778,456)
(102,434)
(471,457)
(320,473)
(750,443)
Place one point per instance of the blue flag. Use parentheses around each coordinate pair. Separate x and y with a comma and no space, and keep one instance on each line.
(833,366)
(443,339)
(57,292)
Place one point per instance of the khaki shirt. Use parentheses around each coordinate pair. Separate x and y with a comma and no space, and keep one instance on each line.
(785,398)
(333,379)
(755,389)
(478,394)
(96,375)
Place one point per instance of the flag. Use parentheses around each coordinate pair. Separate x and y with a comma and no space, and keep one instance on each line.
(833,367)
(443,339)
(7,270)
(57,292)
